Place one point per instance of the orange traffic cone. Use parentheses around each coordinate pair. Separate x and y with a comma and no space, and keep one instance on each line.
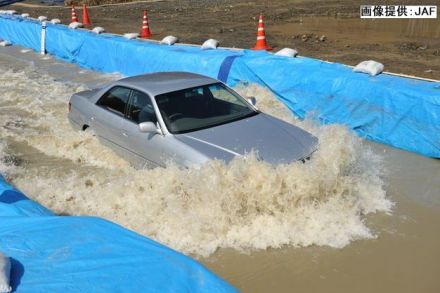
(74,18)
(85,20)
(261,37)
(145,31)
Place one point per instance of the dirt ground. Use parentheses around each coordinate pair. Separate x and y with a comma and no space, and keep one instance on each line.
(328,30)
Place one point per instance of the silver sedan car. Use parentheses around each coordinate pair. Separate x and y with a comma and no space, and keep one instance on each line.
(186,118)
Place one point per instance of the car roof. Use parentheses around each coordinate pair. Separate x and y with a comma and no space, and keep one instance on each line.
(164,82)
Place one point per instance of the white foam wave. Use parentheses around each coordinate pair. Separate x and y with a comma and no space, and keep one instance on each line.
(244,205)
(34,109)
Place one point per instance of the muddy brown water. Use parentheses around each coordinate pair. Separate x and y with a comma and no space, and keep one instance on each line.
(404,258)
(63,170)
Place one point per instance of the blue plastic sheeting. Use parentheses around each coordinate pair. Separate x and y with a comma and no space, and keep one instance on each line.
(401,112)
(87,254)
(8,2)
(15,203)
(111,53)
(397,111)
(84,254)
(52,1)
(24,33)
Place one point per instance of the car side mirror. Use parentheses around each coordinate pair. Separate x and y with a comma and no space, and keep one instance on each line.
(252,101)
(149,127)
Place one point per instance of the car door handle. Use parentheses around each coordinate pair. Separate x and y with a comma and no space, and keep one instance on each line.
(124,133)
(92,119)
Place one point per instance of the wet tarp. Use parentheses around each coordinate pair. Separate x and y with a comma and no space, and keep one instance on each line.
(14,203)
(401,112)
(87,254)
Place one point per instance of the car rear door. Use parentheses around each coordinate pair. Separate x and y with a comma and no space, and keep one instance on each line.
(146,149)
(109,115)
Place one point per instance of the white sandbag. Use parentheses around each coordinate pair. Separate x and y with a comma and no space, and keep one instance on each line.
(75,25)
(42,18)
(169,40)
(55,21)
(5,43)
(10,12)
(210,44)
(287,52)
(370,67)
(98,30)
(25,15)
(5,273)
(131,36)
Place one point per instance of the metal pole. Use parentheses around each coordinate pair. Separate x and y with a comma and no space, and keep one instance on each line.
(43,38)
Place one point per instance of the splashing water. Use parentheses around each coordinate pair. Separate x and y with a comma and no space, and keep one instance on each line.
(245,205)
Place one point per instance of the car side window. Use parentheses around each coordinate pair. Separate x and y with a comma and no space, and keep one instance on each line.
(140,108)
(115,100)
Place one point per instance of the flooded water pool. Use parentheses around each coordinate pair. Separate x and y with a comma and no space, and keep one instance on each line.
(358,217)
(403,258)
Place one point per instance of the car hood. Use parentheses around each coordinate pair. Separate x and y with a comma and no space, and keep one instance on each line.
(271,139)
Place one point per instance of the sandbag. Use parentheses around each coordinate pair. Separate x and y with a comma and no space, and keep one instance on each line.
(169,40)
(287,52)
(55,21)
(210,44)
(10,12)
(75,25)
(131,36)
(370,67)
(5,43)
(42,18)
(98,30)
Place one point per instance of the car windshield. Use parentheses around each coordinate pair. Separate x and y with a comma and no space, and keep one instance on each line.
(202,107)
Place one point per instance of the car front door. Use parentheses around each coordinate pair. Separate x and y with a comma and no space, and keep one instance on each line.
(147,149)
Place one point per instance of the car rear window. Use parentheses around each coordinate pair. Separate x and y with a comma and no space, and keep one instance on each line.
(115,99)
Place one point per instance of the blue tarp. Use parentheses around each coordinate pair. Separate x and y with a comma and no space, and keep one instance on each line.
(61,2)
(401,112)
(397,111)
(8,2)
(87,254)
(14,203)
